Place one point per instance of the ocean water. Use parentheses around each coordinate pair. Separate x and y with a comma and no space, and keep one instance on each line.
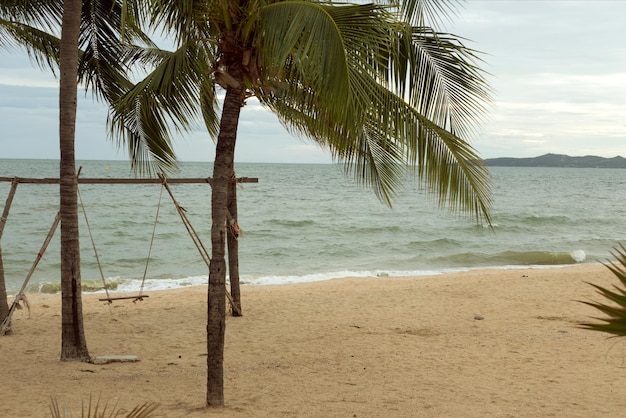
(310,222)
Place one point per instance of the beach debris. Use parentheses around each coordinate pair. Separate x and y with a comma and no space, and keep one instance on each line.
(114,359)
(478,317)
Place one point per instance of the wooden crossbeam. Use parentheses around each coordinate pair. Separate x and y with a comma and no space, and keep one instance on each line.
(95,180)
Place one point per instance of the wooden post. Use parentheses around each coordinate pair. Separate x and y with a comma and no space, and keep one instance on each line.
(7,205)
(4,305)
(232,240)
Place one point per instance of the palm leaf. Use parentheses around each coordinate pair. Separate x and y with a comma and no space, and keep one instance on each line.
(143,117)
(446,85)
(105,28)
(615,321)
(186,20)
(96,411)
(343,100)
(43,14)
(41,47)
(425,12)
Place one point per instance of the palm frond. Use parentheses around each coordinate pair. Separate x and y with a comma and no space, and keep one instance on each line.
(446,165)
(293,35)
(615,321)
(425,12)
(42,47)
(444,82)
(42,14)
(186,20)
(94,409)
(349,105)
(166,98)
(105,27)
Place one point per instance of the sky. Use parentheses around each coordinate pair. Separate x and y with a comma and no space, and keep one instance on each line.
(557,70)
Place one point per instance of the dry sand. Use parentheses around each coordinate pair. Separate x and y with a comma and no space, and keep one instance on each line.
(375,347)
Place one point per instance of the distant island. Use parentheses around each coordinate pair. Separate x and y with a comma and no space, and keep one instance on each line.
(559,160)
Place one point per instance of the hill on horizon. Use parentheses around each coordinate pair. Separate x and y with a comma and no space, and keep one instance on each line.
(559,160)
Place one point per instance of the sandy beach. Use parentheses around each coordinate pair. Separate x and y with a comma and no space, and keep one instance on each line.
(353,347)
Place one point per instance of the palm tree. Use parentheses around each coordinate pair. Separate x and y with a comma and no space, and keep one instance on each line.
(97,28)
(372,83)
(73,343)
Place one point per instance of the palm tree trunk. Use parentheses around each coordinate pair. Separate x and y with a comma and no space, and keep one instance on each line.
(233,251)
(73,344)
(223,175)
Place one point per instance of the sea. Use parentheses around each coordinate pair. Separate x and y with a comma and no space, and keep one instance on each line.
(306,222)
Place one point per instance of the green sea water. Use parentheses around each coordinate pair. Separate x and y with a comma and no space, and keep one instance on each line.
(310,222)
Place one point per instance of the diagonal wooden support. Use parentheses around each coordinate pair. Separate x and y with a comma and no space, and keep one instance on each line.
(5,326)
(195,238)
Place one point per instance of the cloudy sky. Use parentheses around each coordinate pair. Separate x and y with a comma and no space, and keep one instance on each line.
(558,70)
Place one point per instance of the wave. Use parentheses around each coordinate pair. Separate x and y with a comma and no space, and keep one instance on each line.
(291,223)
(88,286)
(516,258)
(122,285)
(529,221)
(435,243)
(503,260)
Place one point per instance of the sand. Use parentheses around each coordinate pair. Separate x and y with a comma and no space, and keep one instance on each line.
(353,347)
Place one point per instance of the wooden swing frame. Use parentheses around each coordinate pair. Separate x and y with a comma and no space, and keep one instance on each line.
(81,180)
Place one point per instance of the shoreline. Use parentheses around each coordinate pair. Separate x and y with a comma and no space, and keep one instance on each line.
(377,346)
(127,285)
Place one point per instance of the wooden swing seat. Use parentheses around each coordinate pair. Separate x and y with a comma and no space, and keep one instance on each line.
(140,297)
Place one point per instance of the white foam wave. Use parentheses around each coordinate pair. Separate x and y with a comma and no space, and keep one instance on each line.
(133,285)
(578,256)
(130,286)
(315,277)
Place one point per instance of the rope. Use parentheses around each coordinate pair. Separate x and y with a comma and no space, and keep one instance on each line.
(156,218)
(93,243)
(192,232)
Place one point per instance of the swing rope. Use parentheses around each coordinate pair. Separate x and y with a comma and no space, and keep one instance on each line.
(93,243)
(145,271)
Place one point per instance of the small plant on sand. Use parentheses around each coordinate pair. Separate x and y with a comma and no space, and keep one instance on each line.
(94,411)
(615,322)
